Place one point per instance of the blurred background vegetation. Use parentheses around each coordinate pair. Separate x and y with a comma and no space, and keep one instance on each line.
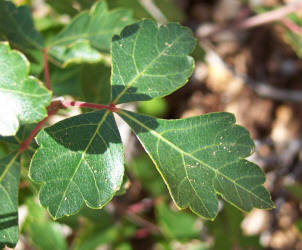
(248,62)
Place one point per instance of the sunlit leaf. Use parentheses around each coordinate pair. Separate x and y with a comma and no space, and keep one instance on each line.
(23,99)
(201,157)
(79,160)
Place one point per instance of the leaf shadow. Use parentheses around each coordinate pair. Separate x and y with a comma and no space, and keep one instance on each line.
(126,32)
(131,91)
(8,220)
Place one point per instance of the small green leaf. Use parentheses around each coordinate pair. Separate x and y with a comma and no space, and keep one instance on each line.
(23,99)
(79,160)
(89,35)
(16,26)
(227,232)
(9,181)
(156,107)
(150,61)
(142,169)
(40,230)
(176,224)
(201,157)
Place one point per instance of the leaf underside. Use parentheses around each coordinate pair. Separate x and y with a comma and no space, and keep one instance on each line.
(88,35)
(201,157)
(79,160)
(23,99)
(150,61)
(9,182)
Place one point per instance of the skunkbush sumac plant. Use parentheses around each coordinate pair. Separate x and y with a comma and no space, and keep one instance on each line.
(79,161)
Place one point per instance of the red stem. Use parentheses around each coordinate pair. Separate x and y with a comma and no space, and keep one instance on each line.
(51,110)
(24,145)
(110,107)
(46,69)
(54,107)
(292,26)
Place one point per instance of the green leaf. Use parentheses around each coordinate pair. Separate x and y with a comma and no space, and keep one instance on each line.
(23,99)
(89,82)
(294,189)
(142,169)
(156,107)
(79,160)
(66,81)
(40,230)
(201,157)
(95,83)
(9,181)
(70,7)
(294,39)
(150,61)
(176,224)
(227,233)
(89,35)
(16,26)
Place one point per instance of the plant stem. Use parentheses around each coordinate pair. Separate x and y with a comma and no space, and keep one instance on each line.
(54,107)
(110,107)
(270,16)
(51,110)
(257,20)
(46,69)
(25,144)
(292,26)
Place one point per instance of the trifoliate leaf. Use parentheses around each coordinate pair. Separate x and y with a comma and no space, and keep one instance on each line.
(201,157)
(16,26)
(150,61)
(79,160)
(23,99)
(9,182)
(89,35)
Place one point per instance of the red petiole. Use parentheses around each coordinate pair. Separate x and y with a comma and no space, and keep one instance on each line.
(46,69)
(56,105)
(110,107)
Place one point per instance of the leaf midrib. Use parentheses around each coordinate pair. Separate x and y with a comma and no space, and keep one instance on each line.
(216,171)
(82,158)
(133,81)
